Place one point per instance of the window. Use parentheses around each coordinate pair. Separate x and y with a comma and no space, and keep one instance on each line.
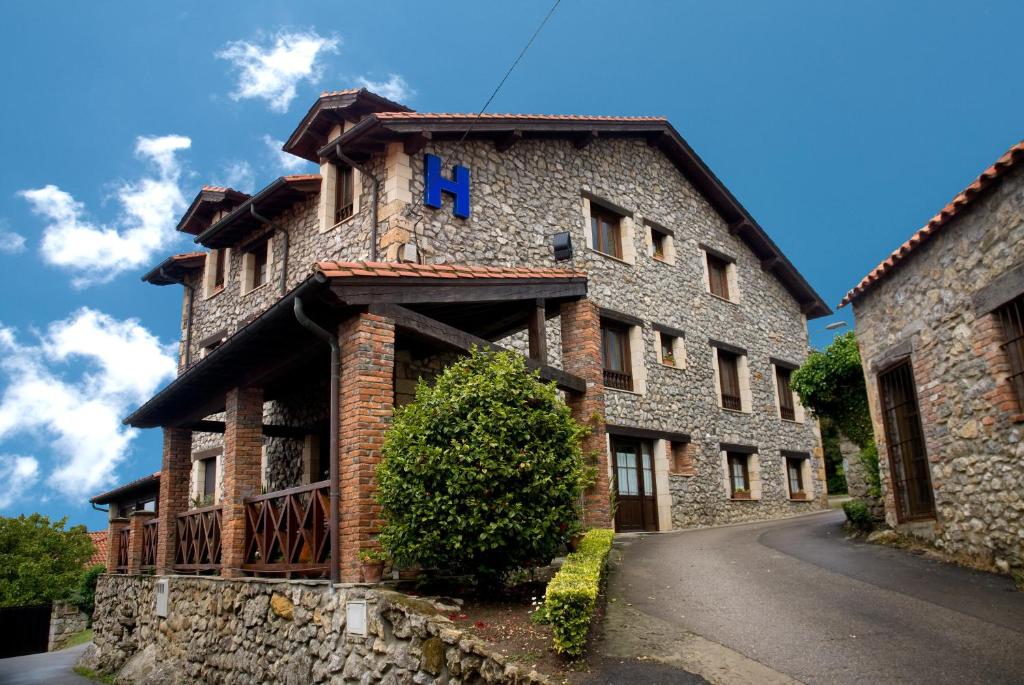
(615,356)
(606,231)
(219,269)
(256,266)
(209,478)
(729,378)
(661,244)
(344,197)
(795,477)
(739,476)
(1011,317)
(668,354)
(718,276)
(787,408)
(904,437)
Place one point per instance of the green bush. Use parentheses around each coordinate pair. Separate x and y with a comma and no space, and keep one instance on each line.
(858,515)
(482,472)
(84,596)
(572,593)
(40,560)
(868,458)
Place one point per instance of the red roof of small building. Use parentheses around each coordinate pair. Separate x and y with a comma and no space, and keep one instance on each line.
(956,206)
(99,547)
(332,269)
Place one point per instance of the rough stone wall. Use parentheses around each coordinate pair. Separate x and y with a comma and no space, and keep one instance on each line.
(974,446)
(65,621)
(251,630)
(520,198)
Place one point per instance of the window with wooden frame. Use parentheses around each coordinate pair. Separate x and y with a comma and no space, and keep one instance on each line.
(259,266)
(1011,318)
(219,269)
(344,194)
(795,477)
(718,276)
(615,355)
(729,379)
(659,244)
(739,475)
(606,231)
(787,406)
(668,349)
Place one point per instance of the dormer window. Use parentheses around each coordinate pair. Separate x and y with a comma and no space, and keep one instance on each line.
(216,273)
(344,197)
(219,269)
(259,256)
(256,266)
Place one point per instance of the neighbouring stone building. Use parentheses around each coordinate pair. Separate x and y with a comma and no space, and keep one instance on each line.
(940,325)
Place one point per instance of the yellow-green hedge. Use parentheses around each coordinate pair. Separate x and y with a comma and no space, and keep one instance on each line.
(572,593)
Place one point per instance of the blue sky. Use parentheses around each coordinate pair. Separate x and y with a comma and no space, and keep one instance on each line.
(843,127)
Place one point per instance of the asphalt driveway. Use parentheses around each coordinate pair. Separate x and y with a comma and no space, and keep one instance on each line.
(48,668)
(795,600)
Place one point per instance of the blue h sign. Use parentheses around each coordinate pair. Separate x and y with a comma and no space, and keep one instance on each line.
(435,184)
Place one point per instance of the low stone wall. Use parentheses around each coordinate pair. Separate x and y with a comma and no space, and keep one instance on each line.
(280,631)
(65,621)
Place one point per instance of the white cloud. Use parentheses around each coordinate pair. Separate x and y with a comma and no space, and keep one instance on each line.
(240,176)
(149,206)
(17,475)
(80,415)
(271,71)
(11,243)
(283,160)
(395,88)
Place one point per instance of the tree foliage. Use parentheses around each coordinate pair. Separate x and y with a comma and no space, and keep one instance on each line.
(40,560)
(831,384)
(482,472)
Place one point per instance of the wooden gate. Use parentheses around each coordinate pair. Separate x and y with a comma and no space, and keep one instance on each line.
(24,630)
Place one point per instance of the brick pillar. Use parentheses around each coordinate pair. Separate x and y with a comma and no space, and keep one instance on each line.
(243,447)
(174,481)
(581,356)
(366,404)
(113,540)
(135,522)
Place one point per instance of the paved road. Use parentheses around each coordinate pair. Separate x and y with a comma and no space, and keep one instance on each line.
(799,598)
(52,668)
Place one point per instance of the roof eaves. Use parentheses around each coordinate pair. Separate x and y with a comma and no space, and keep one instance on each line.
(243,208)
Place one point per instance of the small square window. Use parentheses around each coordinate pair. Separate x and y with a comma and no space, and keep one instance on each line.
(659,244)
(606,231)
(668,349)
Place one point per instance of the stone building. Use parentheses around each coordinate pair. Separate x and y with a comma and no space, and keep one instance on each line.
(601,247)
(940,325)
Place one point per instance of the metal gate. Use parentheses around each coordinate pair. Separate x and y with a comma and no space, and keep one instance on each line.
(24,630)
(908,461)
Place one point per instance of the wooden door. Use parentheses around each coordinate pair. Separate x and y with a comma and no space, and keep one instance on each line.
(908,461)
(633,469)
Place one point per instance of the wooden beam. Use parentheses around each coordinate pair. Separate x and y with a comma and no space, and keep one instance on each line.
(770,263)
(450,336)
(738,227)
(415,143)
(538,333)
(270,430)
(405,290)
(503,143)
(581,141)
(646,433)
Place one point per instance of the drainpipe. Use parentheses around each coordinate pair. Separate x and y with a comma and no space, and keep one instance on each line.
(188,318)
(373,198)
(284,259)
(332,515)
(105,511)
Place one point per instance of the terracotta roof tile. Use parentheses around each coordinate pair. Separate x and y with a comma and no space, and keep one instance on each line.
(1012,157)
(334,269)
(99,546)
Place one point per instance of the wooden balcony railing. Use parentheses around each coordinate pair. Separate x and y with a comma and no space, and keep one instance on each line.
(286,532)
(198,547)
(124,536)
(149,542)
(618,380)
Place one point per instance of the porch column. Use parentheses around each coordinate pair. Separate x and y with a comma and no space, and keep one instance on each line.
(136,521)
(113,541)
(243,448)
(581,355)
(174,482)
(366,403)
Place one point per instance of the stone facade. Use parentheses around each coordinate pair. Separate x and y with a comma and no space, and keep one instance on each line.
(246,631)
(924,311)
(521,196)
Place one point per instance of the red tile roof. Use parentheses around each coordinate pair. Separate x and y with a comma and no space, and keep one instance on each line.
(529,117)
(172,269)
(99,546)
(955,207)
(333,269)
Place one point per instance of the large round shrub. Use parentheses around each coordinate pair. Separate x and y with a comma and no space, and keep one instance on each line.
(482,472)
